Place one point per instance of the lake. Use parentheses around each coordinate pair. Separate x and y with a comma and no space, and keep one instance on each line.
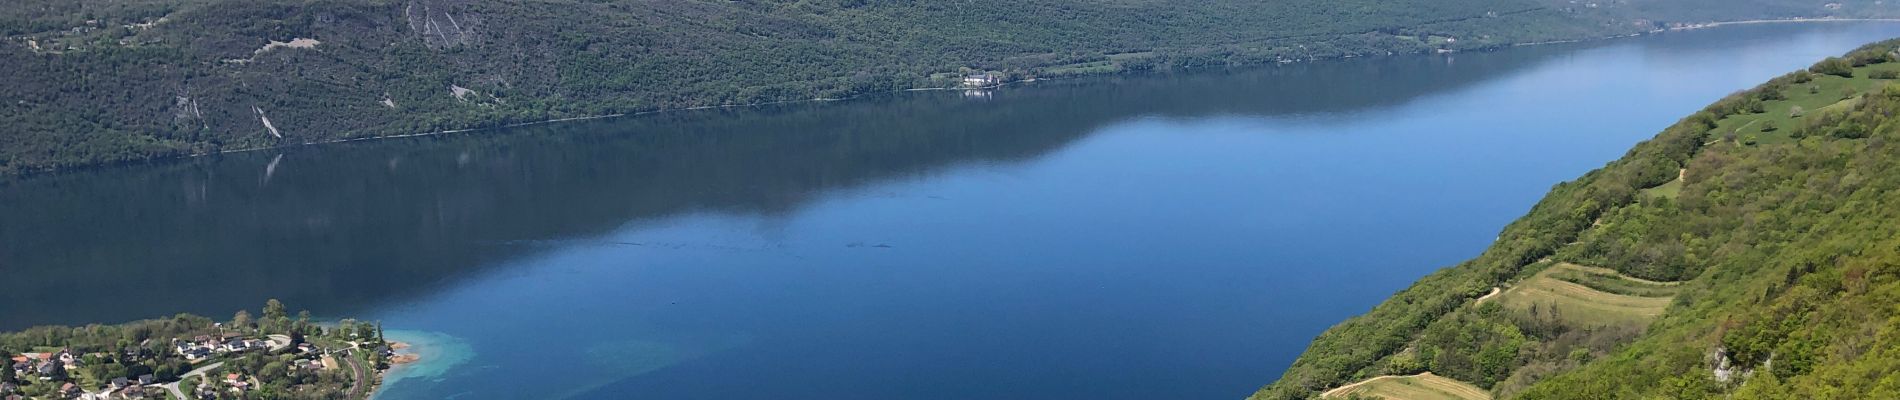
(1171,236)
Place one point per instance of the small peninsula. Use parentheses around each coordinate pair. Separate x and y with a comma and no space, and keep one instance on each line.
(276,355)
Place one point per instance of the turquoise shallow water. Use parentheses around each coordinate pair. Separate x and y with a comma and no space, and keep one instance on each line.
(440,354)
(1135,237)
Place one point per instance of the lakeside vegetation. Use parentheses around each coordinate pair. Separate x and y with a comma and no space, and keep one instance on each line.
(1775,248)
(104,81)
(273,356)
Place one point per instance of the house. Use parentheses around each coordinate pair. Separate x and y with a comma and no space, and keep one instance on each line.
(50,368)
(120,383)
(69,390)
(196,353)
(205,392)
(980,80)
(148,379)
(134,392)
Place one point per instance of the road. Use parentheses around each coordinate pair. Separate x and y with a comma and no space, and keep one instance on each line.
(277,343)
(356,367)
(173,387)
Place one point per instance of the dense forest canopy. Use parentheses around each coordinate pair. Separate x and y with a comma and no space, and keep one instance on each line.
(1747,252)
(100,81)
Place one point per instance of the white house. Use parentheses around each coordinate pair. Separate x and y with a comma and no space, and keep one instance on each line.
(980,80)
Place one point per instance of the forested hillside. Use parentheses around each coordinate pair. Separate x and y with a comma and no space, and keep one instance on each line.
(1747,252)
(99,81)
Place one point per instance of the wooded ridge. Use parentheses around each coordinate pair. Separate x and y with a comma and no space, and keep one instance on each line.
(104,81)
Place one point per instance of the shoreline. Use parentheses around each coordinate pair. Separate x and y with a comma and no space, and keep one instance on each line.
(999,85)
(1718,24)
(402,356)
(1689,27)
(617,115)
(423,355)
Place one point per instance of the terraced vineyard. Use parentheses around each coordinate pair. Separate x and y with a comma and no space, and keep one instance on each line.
(1425,386)
(1589,297)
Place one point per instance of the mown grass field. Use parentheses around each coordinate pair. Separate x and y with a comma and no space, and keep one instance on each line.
(1669,190)
(1825,93)
(1416,387)
(1585,296)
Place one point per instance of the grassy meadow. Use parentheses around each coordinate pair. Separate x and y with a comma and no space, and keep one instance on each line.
(1825,93)
(1416,387)
(1589,297)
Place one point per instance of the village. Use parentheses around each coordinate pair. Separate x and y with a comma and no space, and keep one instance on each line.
(218,361)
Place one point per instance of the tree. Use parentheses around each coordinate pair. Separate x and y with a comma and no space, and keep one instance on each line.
(273,370)
(365,330)
(1833,66)
(276,319)
(303,322)
(345,328)
(1796,112)
(59,371)
(6,373)
(274,309)
(242,320)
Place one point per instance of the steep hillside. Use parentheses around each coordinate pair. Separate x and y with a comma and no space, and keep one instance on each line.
(1748,252)
(99,81)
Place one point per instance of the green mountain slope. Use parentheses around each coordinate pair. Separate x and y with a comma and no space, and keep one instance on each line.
(1748,252)
(99,81)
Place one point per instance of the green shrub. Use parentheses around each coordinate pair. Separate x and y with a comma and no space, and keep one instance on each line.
(1833,66)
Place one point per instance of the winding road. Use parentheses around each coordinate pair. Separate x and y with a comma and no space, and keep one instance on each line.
(277,342)
(173,387)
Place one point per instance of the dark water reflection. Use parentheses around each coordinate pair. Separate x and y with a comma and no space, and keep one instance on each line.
(342,227)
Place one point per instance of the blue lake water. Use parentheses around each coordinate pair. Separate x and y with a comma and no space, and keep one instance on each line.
(1179,236)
